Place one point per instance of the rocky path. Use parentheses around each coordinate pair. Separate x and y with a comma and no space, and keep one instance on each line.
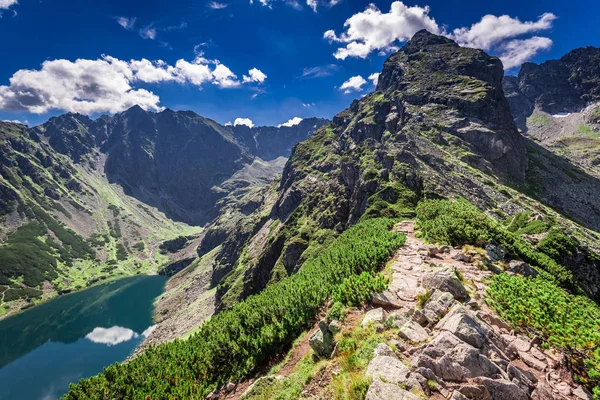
(450,345)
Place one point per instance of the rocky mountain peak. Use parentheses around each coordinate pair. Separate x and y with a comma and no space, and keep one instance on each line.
(432,83)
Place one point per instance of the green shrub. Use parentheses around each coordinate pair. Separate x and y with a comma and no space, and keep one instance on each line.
(458,222)
(356,289)
(564,320)
(337,311)
(235,342)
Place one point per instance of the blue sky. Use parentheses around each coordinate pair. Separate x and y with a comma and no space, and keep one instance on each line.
(265,60)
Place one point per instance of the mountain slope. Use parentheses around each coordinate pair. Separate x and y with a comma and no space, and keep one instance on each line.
(438,125)
(83,200)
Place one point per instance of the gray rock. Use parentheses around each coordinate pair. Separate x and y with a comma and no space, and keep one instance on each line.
(464,327)
(581,393)
(437,306)
(475,392)
(495,253)
(456,395)
(388,391)
(389,369)
(544,391)
(397,319)
(502,389)
(493,320)
(532,362)
(413,332)
(321,341)
(386,299)
(463,257)
(383,349)
(521,268)
(373,316)
(446,280)
(335,327)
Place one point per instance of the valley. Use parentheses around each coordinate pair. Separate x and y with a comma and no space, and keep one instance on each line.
(455,209)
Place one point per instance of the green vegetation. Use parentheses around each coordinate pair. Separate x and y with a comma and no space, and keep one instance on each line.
(337,311)
(394,201)
(459,222)
(356,289)
(24,254)
(522,224)
(234,342)
(587,131)
(540,120)
(564,320)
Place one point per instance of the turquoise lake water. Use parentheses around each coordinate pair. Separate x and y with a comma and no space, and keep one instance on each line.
(44,349)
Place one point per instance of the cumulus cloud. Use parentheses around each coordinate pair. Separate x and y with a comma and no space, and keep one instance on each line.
(127,23)
(254,75)
(106,84)
(243,121)
(493,30)
(312,4)
(111,336)
(292,122)
(372,30)
(516,52)
(228,123)
(353,84)
(215,5)
(320,71)
(374,77)
(6,4)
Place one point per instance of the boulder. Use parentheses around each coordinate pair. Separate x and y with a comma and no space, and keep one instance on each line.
(445,280)
(463,257)
(388,368)
(464,327)
(521,268)
(387,391)
(501,389)
(373,316)
(495,252)
(335,327)
(544,391)
(413,332)
(532,362)
(581,393)
(321,341)
(493,320)
(437,306)
(456,395)
(383,349)
(475,392)
(386,299)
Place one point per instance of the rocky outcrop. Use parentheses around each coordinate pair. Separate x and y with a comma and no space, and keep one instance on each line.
(469,353)
(555,86)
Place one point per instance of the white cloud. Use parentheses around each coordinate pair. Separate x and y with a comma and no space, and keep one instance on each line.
(16,121)
(127,23)
(148,32)
(255,75)
(320,71)
(308,105)
(312,4)
(224,78)
(243,121)
(374,77)
(372,30)
(516,52)
(228,123)
(493,30)
(215,5)
(111,336)
(106,84)
(6,4)
(353,84)
(292,122)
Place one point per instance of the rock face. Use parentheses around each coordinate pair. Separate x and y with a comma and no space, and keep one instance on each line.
(464,85)
(175,161)
(555,86)
(270,142)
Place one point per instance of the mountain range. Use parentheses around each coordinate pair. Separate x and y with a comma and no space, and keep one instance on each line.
(232,212)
